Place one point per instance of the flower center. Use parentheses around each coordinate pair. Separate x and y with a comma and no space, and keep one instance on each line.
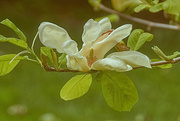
(91,58)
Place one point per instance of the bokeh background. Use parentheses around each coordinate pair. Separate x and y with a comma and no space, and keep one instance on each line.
(29,93)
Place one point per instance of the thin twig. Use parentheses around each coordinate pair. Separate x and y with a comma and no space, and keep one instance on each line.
(22,52)
(48,68)
(32,46)
(149,24)
(175,60)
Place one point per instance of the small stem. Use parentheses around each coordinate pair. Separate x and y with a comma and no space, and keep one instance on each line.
(175,60)
(34,41)
(22,52)
(149,24)
(32,52)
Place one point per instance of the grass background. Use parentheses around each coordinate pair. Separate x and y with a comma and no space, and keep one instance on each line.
(29,85)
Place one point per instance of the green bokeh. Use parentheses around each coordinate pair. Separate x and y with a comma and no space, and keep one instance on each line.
(28,84)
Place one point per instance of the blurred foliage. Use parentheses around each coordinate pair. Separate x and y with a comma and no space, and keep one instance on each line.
(38,90)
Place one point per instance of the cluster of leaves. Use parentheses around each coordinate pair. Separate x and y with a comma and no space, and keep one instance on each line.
(171,8)
(9,61)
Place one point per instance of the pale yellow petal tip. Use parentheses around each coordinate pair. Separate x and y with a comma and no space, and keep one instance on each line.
(149,65)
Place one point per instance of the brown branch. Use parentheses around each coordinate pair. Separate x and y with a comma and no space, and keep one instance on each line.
(48,68)
(149,24)
(175,60)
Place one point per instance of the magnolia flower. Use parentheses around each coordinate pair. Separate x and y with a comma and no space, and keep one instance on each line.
(98,38)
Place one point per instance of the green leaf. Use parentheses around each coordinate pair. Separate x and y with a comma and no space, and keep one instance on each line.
(170,6)
(14,41)
(138,38)
(175,54)
(51,55)
(95,4)
(11,25)
(62,60)
(126,6)
(141,7)
(118,90)
(76,87)
(6,66)
(160,53)
(112,18)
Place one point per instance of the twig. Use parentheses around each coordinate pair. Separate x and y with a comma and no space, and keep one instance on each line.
(48,68)
(149,24)
(32,46)
(22,52)
(175,60)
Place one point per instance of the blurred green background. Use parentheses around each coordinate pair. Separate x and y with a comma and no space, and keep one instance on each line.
(34,93)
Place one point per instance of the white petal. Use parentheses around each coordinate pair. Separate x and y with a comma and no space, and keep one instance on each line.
(85,49)
(77,63)
(105,25)
(52,35)
(111,64)
(70,47)
(115,37)
(132,58)
(91,31)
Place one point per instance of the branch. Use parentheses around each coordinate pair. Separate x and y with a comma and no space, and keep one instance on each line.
(175,60)
(149,24)
(48,68)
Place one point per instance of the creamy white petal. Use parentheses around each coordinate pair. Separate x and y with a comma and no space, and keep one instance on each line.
(102,47)
(105,25)
(132,58)
(115,64)
(91,31)
(78,63)
(70,47)
(85,49)
(52,35)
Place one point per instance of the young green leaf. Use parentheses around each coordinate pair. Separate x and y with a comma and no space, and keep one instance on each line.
(175,54)
(138,38)
(51,55)
(170,6)
(6,66)
(160,53)
(62,60)
(76,87)
(95,4)
(126,6)
(14,41)
(112,18)
(11,25)
(119,91)
(141,7)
